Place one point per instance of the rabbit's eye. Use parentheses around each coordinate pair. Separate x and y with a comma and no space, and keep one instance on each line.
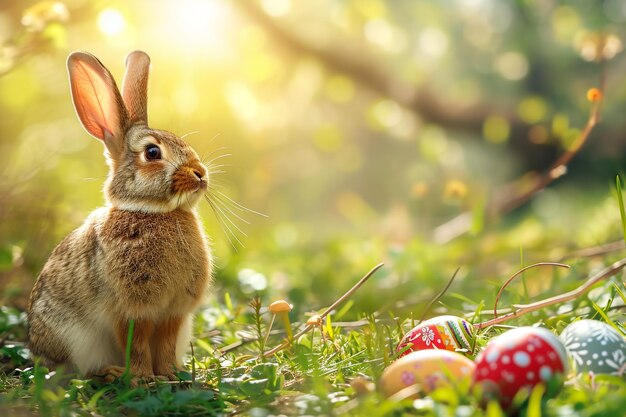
(153,152)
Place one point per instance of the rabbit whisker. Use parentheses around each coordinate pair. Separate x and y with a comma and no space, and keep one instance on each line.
(225,228)
(95,178)
(224,155)
(227,208)
(216,167)
(219,183)
(221,148)
(239,206)
(222,209)
(193,132)
(208,143)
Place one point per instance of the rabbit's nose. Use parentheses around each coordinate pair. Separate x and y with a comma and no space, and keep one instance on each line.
(198,173)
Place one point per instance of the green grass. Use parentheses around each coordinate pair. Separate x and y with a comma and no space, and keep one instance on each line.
(331,374)
(620,202)
(334,370)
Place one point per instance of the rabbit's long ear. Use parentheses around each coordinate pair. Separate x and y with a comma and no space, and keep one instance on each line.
(135,86)
(97,101)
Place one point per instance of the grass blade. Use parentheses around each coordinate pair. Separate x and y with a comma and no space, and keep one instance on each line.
(129,343)
(620,201)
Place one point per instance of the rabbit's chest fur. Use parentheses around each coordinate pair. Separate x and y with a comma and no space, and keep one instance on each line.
(156,264)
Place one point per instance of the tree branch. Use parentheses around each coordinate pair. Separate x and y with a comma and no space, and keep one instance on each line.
(368,71)
(521,190)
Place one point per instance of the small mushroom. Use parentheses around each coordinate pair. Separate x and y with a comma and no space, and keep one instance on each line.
(281,308)
(361,386)
(314,320)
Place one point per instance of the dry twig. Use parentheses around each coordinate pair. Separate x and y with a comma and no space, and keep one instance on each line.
(438,296)
(508,281)
(521,309)
(340,300)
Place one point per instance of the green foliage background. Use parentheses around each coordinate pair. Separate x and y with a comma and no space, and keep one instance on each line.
(314,145)
(357,126)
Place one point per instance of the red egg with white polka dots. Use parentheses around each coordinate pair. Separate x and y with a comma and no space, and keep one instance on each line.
(518,360)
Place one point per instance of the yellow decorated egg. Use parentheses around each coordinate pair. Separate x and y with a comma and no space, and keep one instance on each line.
(425,370)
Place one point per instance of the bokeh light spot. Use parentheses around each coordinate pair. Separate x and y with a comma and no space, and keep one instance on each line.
(111,22)
(565,21)
(380,33)
(433,143)
(384,114)
(560,124)
(200,21)
(242,101)
(328,138)
(532,109)
(276,8)
(286,235)
(251,281)
(433,42)
(36,17)
(512,65)
(353,207)
(496,129)
(339,88)
(455,190)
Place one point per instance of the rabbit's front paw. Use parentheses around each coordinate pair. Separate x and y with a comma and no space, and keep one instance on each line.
(168,372)
(111,373)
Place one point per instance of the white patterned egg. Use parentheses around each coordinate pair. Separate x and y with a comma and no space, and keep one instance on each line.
(595,347)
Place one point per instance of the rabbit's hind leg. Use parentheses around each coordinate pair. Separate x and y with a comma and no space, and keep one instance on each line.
(45,340)
(93,345)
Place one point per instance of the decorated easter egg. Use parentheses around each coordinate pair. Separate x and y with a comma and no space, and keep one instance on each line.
(595,347)
(443,332)
(425,370)
(518,360)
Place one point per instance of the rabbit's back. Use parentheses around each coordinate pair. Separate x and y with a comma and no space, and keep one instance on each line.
(63,295)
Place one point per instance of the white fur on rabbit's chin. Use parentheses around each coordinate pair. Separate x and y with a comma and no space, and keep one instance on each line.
(186,202)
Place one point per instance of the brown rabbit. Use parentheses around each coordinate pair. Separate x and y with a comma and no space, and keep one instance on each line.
(143,256)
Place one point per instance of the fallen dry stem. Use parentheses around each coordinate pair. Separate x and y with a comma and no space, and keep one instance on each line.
(438,296)
(340,300)
(521,309)
(515,275)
